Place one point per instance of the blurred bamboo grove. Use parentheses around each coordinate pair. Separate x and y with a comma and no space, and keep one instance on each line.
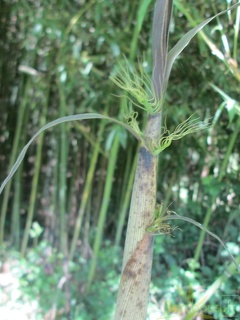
(72,192)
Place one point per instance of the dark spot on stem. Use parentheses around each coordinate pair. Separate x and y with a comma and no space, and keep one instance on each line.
(147,159)
(129,273)
(140,305)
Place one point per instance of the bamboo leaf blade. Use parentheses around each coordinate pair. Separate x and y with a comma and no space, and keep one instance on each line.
(199,225)
(184,41)
(140,18)
(54,123)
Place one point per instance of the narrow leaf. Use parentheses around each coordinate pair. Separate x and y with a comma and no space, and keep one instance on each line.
(140,18)
(184,41)
(232,106)
(141,13)
(199,225)
(54,123)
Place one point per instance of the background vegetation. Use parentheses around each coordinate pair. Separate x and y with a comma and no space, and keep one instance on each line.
(66,208)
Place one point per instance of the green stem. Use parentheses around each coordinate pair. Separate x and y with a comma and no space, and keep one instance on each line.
(90,138)
(62,169)
(138,26)
(86,191)
(17,138)
(103,210)
(50,221)
(236,34)
(71,185)
(229,151)
(16,211)
(122,187)
(34,187)
(220,177)
(126,199)
(15,223)
(169,192)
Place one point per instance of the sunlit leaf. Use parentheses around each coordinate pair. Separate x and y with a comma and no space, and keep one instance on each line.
(184,41)
(232,106)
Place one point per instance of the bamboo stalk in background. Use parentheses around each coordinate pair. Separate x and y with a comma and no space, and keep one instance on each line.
(62,170)
(124,177)
(104,206)
(87,226)
(50,232)
(166,202)
(37,168)
(126,200)
(142,11)
(222,172)
(71,186)
(102,168)
(13,156)
(86,191)
(16,209)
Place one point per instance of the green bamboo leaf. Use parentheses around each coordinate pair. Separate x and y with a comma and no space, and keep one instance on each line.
(56,122)
(221,92)
(142,11)
(199,225)
(232,106)
(184,41)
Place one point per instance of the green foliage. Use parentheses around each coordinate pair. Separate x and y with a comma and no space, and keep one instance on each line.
(188,126)
(77,46)
(139,85)
(40,282)
(159,226)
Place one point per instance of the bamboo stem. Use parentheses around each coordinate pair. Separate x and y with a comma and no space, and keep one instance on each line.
(86,191)
(103,210)
(16,210)
(34,187)
(126,199)
(220,177)
(15,223)
(17,137)
(62,169)
(132,297)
